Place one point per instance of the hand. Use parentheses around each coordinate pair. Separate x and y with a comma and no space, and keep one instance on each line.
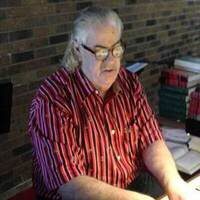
(180,190)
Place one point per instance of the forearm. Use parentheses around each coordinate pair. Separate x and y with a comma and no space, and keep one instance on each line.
(87,188)
(160,163)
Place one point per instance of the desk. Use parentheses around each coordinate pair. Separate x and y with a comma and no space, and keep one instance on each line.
(169,122)
(194,182)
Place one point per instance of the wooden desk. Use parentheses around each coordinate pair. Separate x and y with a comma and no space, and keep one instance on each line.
(169,122)
(194,182)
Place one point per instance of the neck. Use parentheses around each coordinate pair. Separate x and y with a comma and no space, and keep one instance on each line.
(102,94)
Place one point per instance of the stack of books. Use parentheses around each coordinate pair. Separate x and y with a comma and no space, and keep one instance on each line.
(177,84)
(192,123)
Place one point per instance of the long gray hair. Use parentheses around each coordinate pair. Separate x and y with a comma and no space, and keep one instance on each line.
(86,18)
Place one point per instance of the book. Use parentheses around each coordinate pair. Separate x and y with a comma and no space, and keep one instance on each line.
(185,91)
(171,102)
(163,107)
(177,135)
(179,78)
(188,63)
(177,140)
(137,67)
(194,143)
(189,162)
(179,151)
(173,96)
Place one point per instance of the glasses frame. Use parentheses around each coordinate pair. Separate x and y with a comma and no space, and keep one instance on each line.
(122,44)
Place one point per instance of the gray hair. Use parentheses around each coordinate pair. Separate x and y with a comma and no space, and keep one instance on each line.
(87,18)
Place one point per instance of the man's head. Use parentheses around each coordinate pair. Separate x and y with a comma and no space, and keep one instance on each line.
(95,46)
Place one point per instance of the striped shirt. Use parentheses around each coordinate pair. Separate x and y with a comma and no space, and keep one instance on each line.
(74,131)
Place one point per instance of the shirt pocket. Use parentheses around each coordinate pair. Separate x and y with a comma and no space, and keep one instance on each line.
(131,135)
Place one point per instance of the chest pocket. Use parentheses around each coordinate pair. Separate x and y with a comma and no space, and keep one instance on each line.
(131,138)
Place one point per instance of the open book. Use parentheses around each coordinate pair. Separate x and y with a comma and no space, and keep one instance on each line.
(194,144)
(189,162)
(186,159)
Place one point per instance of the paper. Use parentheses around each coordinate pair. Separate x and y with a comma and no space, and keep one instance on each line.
(189,163)
(194,144)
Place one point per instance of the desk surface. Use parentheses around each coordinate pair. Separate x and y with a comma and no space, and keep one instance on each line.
(194,182)
(169,122)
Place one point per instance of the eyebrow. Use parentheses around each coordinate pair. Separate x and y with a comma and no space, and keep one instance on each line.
(107,47)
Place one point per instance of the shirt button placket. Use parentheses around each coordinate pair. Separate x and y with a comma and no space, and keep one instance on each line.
(112,131)
(118,157)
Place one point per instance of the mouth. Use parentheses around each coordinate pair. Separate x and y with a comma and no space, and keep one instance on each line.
(108,70)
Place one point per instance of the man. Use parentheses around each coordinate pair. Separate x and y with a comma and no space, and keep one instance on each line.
(91,127)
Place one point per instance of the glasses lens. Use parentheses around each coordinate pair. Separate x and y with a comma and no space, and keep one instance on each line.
(101,54)
(118,51)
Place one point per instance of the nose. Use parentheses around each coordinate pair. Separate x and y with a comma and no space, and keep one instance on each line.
(110,58)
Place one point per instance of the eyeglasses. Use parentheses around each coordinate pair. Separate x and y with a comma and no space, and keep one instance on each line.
(101,53)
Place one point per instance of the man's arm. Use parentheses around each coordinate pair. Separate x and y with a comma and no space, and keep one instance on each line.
(88,188)
(159,161)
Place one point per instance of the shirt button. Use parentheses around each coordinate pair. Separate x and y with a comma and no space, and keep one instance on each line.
(118,157)
(113,132)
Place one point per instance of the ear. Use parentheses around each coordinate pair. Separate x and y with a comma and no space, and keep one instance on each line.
(76,46)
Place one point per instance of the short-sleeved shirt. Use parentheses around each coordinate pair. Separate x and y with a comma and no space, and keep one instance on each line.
(74,131)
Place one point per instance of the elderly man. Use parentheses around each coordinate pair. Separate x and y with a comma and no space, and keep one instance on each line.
(90,124)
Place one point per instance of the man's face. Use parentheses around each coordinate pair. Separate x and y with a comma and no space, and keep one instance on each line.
(101,73)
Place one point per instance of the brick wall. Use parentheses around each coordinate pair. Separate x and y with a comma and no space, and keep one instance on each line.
(33,36)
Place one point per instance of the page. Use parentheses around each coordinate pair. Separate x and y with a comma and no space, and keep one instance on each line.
(194,144)
(189,163)
(178,152)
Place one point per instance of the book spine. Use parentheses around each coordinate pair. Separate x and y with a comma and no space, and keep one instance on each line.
(173,96)
(187,65)
(173,77)
(175,90)
(177,104)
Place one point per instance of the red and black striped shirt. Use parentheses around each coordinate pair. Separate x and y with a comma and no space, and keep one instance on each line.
(74,131)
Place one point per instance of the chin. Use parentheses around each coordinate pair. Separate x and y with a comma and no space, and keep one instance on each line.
(108,85)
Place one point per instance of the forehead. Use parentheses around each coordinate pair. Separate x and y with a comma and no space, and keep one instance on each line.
(104,35)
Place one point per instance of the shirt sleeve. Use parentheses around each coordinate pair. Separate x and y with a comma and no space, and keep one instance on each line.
(146,120)
(54,139)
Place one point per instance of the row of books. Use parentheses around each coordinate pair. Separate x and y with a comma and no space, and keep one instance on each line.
(177,85)
(194,106)
(192,65)
(179,78)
